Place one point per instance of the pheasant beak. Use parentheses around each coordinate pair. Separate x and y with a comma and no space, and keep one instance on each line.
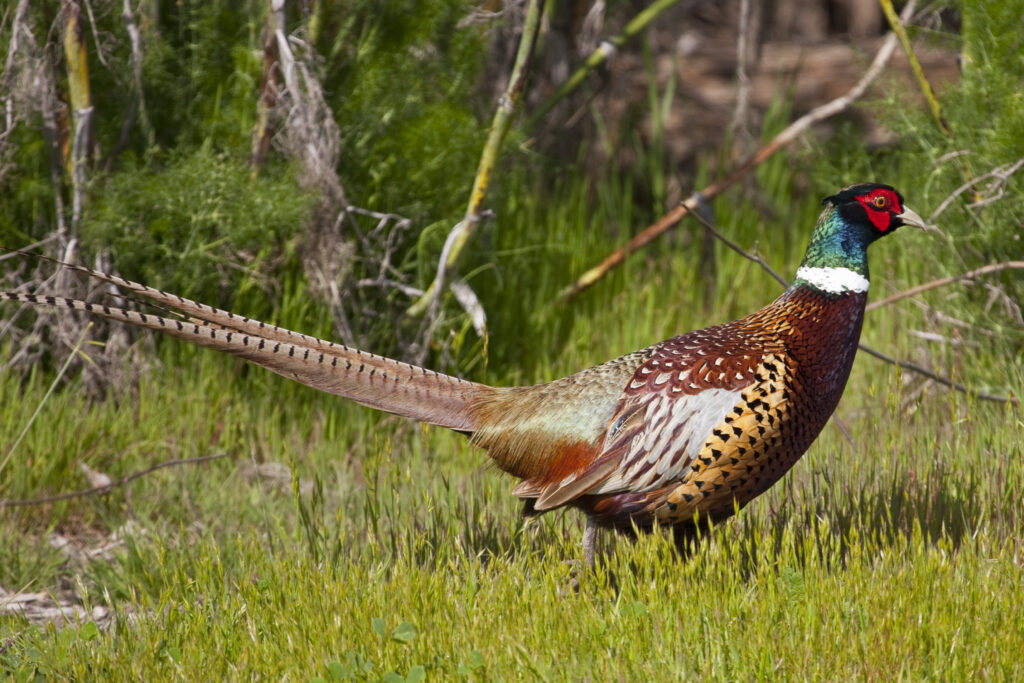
(910,217)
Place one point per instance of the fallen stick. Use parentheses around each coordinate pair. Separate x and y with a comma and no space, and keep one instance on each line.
(107,488)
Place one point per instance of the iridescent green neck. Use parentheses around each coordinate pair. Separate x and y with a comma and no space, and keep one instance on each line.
(838,243)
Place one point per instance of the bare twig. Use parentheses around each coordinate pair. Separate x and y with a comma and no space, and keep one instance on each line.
(96,35)
(605,51)
(499,127)
(296,116)
(107,488)
(385,283)
(465,296)
(942,282)
(896,23)
(10,74)
(739,250)
(906,365)
(913,367)
(999,175)
(333,262)
(136,41)
(30,247)
(456,234)
(784,138)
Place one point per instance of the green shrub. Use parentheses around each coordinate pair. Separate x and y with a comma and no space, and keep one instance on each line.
(198,224)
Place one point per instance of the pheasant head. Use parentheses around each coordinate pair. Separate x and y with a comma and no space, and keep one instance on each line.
(836,259)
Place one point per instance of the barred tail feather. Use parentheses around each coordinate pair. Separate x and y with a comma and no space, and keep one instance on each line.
(193,309)
(366,378)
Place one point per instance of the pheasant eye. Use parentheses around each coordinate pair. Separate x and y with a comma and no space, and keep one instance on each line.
(879,201)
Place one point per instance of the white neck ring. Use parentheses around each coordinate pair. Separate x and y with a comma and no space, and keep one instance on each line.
(835,280)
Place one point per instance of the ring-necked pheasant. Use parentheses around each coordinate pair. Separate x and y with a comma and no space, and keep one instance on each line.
(695,426)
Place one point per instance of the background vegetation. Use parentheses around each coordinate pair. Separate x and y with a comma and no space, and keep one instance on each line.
(333,542)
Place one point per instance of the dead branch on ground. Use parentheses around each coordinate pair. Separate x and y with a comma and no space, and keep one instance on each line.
(108,487)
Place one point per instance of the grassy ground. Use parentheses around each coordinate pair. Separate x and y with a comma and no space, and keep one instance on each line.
(368,546)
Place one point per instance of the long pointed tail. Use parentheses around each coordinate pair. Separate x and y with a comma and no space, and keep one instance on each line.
(366,378)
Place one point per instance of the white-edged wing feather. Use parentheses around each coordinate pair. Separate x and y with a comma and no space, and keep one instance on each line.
(671,434)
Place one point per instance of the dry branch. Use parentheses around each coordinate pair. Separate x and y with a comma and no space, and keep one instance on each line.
(107,488)
(995,190)
(913,367)
(270,88)
(739,250)
(781,140)
(941,282)
(136,41)
(896,23)
(7,83)
(740,124)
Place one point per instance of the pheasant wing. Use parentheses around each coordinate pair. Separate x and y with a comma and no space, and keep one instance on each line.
(674,403)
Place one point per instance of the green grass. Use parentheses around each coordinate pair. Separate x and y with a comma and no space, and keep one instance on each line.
(397,550)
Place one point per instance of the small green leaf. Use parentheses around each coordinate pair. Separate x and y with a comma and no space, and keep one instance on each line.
(416,674)
(464,670)
(357,662)
(404,632)
(338,671)
(476,660)
(89,632)
(380,626)
(392,677)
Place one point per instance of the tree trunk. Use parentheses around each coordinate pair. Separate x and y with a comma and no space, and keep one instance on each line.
(76,54)
(270,87)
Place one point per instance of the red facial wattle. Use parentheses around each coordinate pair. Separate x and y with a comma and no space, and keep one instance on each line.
(881,216)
